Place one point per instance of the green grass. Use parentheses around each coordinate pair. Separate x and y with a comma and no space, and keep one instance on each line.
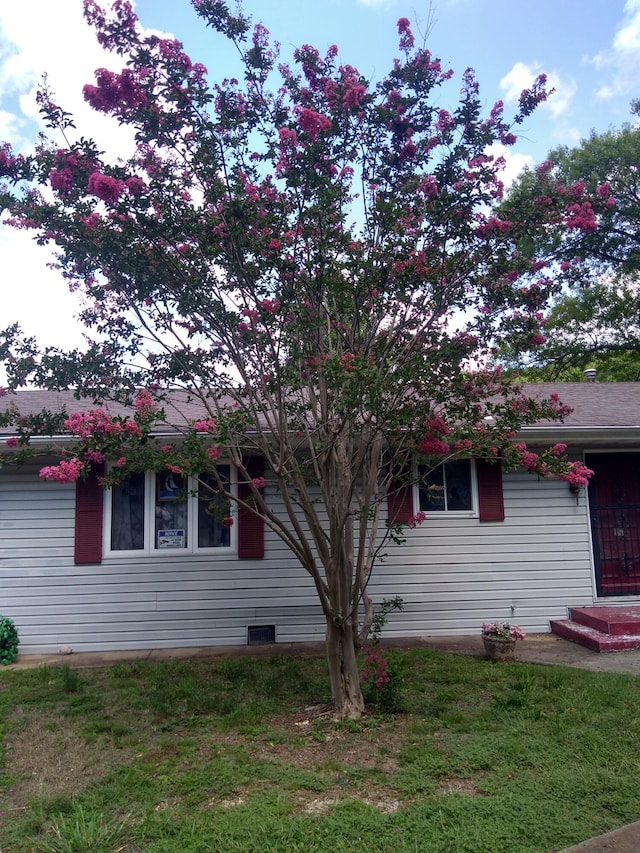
(241,755)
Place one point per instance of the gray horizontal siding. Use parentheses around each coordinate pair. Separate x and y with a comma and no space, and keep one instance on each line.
(452,573)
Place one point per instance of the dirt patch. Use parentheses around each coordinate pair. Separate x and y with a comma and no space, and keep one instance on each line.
(323,805)
(456,785)
(50,759)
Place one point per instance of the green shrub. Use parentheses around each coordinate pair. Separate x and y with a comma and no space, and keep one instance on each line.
(8,640)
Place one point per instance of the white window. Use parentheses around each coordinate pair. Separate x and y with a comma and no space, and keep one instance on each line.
(164,512)
(449,488)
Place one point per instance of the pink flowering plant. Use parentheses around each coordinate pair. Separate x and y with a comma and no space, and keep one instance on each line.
(317,259)
(502,631)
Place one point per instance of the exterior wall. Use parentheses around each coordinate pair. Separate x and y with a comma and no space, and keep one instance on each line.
(455,574)
(452,574)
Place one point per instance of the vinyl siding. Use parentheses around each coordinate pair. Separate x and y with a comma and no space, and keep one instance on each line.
(452,574)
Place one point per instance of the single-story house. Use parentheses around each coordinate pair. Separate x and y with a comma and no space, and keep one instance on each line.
(88,569)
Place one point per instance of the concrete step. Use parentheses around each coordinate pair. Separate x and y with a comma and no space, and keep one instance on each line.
(608,619)
(591,638)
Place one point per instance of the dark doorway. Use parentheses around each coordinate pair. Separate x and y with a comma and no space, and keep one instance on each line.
(614,502)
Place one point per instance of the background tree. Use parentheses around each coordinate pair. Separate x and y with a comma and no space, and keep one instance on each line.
(596,320)
(316,264)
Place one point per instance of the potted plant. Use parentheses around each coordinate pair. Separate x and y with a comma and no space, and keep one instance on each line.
(500,639)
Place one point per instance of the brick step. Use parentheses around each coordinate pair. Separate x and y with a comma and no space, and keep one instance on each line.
(608,619)
(591,638)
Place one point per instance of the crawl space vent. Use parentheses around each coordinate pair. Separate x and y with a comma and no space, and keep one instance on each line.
(258,634)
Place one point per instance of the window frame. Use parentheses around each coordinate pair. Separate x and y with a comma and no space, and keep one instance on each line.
(150,549)
(448,513)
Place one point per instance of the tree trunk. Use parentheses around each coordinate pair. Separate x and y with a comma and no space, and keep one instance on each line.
(343,669)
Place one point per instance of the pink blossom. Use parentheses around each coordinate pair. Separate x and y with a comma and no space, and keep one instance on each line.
(270,306)
(313,123)
(144,405)
(114,92)
(432,445)
(406,36)
(558,449)
(94,456)
(121,462)
(417,519)
(67,471)
(214,452)
(348,361)
(61,180)
(105,187)
(445,121)
(227,521)
(258,482)
(136,186)
(12,442)
(578,475)
(166,448)
(208,425)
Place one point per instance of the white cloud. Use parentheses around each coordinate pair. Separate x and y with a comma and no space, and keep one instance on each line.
(622,60)
(39,36)
(522,76)
(34,295)
(514,163)
(43,37)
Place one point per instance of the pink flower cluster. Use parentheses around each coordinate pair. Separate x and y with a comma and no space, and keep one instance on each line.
(406,36)
(417,519)
(67,471)
(115,92)
(376,669)
(312,123)
(208,425)
(105,187)
(578,476)
(502,631)
(432,443)
(95,422)
(582,217)
(12,442)
(144,405)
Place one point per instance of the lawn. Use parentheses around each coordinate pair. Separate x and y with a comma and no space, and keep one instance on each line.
(243,755)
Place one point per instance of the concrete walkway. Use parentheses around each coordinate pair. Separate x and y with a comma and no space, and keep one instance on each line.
(536,648)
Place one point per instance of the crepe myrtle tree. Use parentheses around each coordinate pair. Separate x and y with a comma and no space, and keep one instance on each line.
(315,260)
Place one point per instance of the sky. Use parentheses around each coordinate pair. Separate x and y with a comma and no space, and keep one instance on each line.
(590,50)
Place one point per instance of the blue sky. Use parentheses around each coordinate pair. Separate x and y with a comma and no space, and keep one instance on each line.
(589,48)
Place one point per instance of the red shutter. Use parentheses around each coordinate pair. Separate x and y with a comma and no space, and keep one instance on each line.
(399,502)
(250,526)
(88,533)
(490,497)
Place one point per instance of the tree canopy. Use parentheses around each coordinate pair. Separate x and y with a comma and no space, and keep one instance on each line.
(313,256)
(595,320)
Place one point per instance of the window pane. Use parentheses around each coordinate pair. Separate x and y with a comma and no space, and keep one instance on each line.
(458,479)
(127,514)
(212,508)
(447,488)
(432,491)
(170,511)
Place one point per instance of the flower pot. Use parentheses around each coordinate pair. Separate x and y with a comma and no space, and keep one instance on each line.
(497,648)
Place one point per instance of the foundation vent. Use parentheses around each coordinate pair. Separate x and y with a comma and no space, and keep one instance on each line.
(261,634)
